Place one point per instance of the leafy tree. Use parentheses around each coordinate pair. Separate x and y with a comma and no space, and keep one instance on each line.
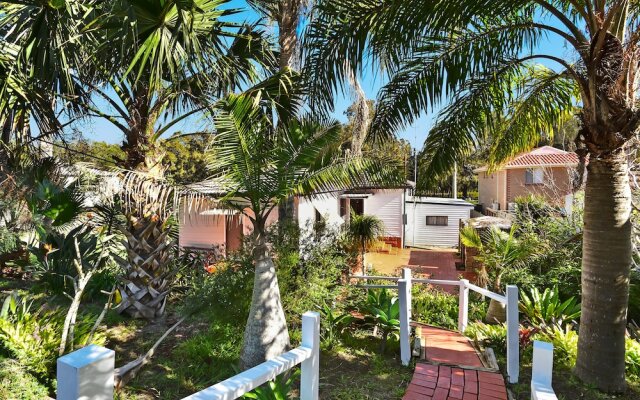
(364,230)
(480,58)
(262,155)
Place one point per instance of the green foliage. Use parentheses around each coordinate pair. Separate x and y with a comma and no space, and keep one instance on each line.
(546,308)
(9,241)
(435,307)
(494,336)
(226,291)
(565,344)
(632,358)
(332,325)
(18,384)
(383,311)
(364,230)
(277,389)
(33,337)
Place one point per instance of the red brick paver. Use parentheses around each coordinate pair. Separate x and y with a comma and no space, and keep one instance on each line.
(448,347)
(438,264)
(455,384)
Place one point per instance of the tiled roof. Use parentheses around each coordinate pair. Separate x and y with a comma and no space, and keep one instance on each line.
(545,156)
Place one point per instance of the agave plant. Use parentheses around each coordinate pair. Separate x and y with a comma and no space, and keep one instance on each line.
(546,308)
(384,313)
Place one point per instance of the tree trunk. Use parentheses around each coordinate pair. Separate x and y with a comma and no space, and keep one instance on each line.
(606,262)
(266,335)
(496,313)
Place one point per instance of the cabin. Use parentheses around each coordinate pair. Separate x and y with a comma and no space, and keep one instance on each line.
(434,221)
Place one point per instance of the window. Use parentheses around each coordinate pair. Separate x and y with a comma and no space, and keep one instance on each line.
(534,176)
(437,220)
(343,207)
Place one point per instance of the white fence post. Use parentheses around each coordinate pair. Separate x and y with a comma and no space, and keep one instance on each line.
(513,334)
(463,306)
(310,368)
(406,275)
(404,294)
(86,374)
(542,371)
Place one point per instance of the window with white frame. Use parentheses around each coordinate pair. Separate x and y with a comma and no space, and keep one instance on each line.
(534,176)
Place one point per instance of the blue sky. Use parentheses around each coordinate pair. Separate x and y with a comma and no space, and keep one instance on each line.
(371,81)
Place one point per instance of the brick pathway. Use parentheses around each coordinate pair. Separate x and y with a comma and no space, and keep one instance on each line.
(453,370)
(438,264)
(441,382)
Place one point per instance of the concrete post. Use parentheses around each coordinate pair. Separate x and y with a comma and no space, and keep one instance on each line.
(86,374)
(310,368)
(406,275)
(463,306)
(404,295)
(513,334)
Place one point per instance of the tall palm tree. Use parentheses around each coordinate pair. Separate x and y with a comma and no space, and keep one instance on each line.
(263,154)
(364,230)
(479,57)
(157,63)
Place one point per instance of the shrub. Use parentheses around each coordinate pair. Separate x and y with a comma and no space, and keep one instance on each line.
(565,344)
(435,307)
(383,312)
(546,308)
(8,241)
(16,383)
(277,389)
(632,358)
(494,336)
(332,326)
(33,337)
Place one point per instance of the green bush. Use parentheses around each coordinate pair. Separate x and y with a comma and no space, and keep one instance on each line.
(383,311)
(546,308)
(277,389)
(8,241)
(632,358)
(17,384)
(565,345)
(332,325)
(33,337)
(435,307)
(494,336)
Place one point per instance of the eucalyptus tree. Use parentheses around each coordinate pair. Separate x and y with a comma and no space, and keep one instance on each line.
(263,153)
(487,62)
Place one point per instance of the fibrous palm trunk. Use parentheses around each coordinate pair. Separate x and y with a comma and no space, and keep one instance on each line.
(146,281)
(605,272)
(266,335)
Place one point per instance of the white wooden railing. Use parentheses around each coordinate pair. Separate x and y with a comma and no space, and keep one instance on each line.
(88,373)
(403,285)
(542,371)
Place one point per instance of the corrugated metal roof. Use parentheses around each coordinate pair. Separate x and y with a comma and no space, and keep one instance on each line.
(438,200)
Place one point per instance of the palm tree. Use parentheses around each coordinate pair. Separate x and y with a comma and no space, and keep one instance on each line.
(263,154)
(498,251)
(479,56)
(173,59)
(364,230)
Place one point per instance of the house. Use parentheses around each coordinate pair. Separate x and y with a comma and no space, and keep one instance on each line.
(335,209)
(545,171)
(408,220)
(434,221)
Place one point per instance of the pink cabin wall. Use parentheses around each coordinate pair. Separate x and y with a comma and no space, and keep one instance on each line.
(248,226)
(202,231)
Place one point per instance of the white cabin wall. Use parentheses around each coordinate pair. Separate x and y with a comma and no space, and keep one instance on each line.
(429,235)
(387,206)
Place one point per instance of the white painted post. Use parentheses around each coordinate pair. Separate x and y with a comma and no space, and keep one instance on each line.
(513,334)
(404,295)
(463,306)
(406,275)
(542,362)
(86,374)
(310,368)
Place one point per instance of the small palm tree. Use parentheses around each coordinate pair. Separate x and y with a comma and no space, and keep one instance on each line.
(498,251)
(364,230)
(263,153)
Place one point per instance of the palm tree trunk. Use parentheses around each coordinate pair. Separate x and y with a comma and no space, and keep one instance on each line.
(266,335)
(606,264)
